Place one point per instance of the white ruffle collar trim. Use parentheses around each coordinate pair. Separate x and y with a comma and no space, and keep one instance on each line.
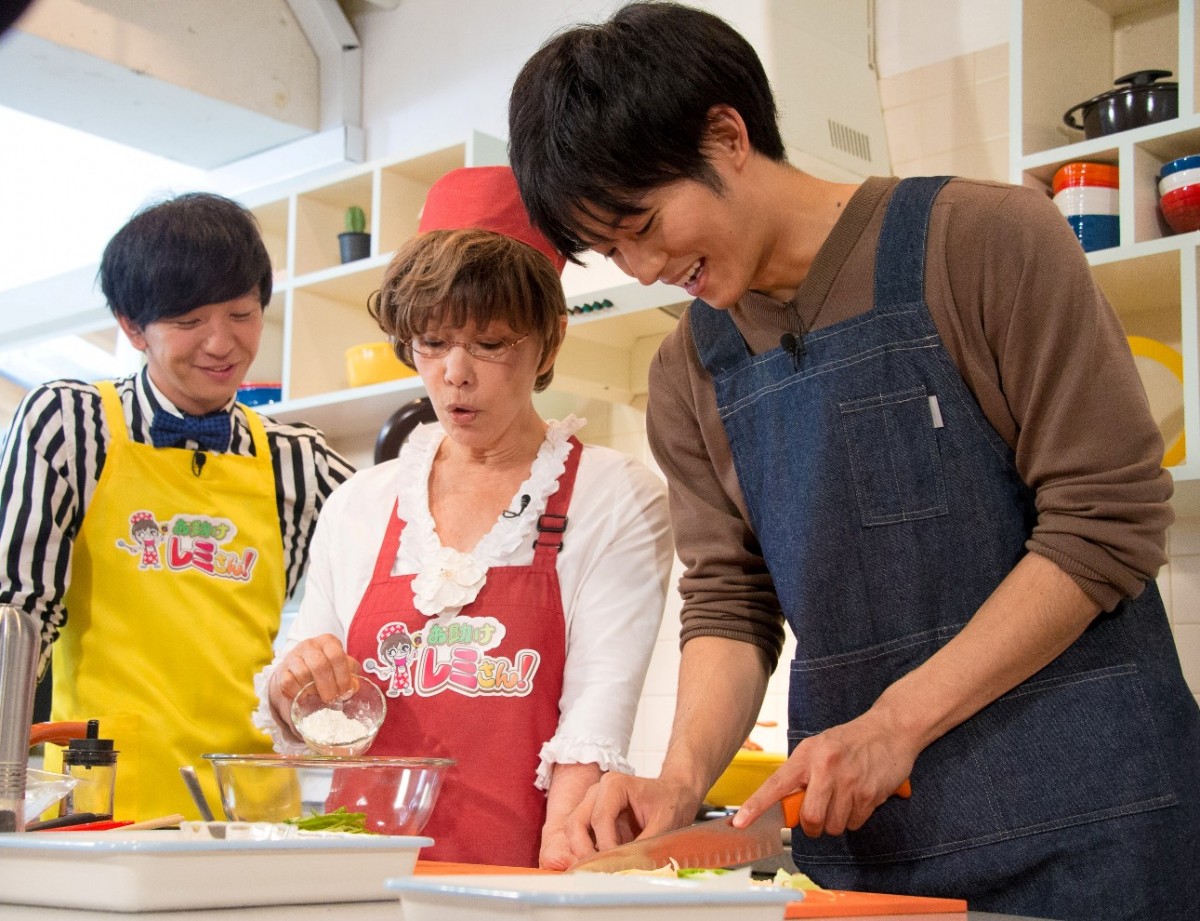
(448,580)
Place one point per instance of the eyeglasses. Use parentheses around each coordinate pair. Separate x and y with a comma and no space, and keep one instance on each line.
(483,349)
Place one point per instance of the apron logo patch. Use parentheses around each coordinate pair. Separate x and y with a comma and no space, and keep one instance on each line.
(450,656)
(188,542)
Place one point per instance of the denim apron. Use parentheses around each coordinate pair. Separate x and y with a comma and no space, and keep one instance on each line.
(887,510)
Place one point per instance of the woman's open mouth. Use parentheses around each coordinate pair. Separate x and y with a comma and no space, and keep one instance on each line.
(461,414)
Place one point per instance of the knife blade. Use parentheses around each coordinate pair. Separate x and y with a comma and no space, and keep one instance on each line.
(715,843)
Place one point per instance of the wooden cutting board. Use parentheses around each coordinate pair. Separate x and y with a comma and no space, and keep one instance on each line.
(819,903)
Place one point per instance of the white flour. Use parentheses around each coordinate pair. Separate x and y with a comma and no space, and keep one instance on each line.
(332,727)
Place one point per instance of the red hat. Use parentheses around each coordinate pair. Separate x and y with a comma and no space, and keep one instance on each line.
(485,197)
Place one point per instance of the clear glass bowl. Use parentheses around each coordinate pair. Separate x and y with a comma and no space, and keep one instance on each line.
(396,794)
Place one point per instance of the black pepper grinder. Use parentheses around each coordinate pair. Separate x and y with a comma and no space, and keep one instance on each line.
(93,762)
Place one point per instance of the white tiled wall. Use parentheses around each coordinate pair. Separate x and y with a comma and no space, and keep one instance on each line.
(950,117)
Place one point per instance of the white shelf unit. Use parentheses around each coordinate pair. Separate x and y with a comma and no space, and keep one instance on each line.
(319,308)
(1063,52)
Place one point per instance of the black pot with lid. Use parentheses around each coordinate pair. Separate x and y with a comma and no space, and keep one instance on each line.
(1138,100)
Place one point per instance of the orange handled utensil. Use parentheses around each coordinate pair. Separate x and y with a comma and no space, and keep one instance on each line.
(793,801)
(715,843)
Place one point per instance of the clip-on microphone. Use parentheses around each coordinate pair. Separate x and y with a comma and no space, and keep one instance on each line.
(793,346)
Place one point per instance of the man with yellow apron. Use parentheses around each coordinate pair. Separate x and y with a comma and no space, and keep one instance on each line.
(154,524)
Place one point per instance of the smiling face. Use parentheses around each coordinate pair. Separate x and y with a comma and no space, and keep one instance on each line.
(483,405)
(690,237)
(198,359)
(704,238)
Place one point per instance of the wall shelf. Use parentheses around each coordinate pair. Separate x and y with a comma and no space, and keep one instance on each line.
(1061,53)
(319,308)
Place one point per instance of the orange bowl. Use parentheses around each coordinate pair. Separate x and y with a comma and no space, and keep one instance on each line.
(1084,173)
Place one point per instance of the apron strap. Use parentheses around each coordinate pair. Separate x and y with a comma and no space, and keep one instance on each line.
(391,546)
(258,434)
(114,412)
(552,523)
(900,255)
(718,342)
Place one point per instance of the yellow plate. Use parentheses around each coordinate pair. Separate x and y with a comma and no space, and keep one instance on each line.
(1168,413)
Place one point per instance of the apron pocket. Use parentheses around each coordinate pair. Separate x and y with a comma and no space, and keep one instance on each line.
(892,446)
(1038,759)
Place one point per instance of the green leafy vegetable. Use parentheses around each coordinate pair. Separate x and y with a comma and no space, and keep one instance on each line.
(700,872)
(338,820)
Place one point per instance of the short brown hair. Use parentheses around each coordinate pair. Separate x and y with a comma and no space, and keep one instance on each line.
(466,276)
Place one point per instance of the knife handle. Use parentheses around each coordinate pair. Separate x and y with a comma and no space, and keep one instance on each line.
(793,801)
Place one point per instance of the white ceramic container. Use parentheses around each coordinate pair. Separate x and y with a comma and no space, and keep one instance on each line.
(167,870)
(587,897)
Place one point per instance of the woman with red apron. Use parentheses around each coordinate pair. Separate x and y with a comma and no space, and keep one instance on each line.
(521,663)
(484,689)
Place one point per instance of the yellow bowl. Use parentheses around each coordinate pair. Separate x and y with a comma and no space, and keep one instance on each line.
(374,363)
(744,775)
(1166,403)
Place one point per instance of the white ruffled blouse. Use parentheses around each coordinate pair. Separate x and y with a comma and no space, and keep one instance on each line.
(613,570)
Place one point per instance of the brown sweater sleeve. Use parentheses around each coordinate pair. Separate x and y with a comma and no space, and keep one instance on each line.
(1047,359)
(1013,298)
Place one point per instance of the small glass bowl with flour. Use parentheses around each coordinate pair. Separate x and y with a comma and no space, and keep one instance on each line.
(346,726)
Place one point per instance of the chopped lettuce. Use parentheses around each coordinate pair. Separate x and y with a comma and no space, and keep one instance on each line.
(782,877)
(338,820)
(794,880)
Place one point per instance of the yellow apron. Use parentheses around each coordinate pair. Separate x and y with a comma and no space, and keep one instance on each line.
(177,584)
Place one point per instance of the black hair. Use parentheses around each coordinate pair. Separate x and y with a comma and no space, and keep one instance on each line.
(186,252)
(603,114)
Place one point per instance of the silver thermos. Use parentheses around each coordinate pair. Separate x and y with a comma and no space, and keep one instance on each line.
(19,647)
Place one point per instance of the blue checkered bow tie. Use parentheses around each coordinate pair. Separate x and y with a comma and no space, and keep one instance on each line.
(211,432)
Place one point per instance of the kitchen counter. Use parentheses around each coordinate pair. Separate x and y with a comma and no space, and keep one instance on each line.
(349,911)
(133,881)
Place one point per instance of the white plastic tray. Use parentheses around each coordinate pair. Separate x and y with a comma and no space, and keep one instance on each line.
(586,896)
(160,870)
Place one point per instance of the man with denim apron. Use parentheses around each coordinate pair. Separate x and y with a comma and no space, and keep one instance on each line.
(886,418)
(901,522)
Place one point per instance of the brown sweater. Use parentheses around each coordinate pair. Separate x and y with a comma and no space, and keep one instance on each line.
(1013,298)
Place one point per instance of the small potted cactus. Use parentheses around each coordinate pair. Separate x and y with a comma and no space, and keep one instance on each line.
(355,242)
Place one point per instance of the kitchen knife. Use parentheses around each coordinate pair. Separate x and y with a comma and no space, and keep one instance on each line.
(715,843)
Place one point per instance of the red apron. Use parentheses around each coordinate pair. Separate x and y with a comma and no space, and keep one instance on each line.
(482,688)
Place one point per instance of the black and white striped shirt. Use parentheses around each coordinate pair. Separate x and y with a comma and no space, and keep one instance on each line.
(52,459)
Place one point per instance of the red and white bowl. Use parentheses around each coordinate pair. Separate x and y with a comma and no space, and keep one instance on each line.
(1181,208)
(1172,181)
